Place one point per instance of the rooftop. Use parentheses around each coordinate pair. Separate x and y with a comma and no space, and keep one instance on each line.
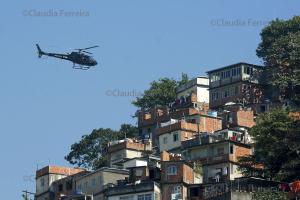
(107,169)
(201,81)
(136,145)
(234,65)
(51,169)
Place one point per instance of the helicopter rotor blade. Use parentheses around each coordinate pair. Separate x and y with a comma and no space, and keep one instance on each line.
(87,48)
(86,52)
(91,47)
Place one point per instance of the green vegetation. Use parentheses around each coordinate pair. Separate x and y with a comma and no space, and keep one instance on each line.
(277,147)
(161,92)
(90,151)
(268,195)
(280,50)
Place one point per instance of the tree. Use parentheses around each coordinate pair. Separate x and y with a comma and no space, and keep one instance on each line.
(277,147)
(161,92)
(267,195)
(90,151)
(280,51)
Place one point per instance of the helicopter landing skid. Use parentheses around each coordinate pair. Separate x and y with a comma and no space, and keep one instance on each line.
(80,67)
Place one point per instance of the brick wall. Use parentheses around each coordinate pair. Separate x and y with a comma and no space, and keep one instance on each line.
(128,145)
(58,170)
(165,156)
(295,115)
(245,118)
(188,174)
(168,189)
(241,151)
(210,124)
(185,135)
(185,173)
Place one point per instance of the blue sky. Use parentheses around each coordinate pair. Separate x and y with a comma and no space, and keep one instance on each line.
(45,105)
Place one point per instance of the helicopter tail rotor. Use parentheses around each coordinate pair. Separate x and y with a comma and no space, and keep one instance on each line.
(40,52)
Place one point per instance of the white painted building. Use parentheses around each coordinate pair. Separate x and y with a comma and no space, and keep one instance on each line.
(199,86)
(135,162)
(46,176)
(94,183)
(140,191)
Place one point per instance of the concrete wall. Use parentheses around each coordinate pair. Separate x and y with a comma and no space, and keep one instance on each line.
(135,163)
(202,95)
(43,183)
(240,196)
(124,153)
(130,196)
(94,182)
(166,141)
(199,86)
(155,195)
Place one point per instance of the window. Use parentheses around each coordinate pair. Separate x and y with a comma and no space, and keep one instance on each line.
(263,108)
(248,70)
(42,182)
(88,198)
(225,94)
(220,151)
(195,192)
(232,91)
(165,140)
(215,96)
(227,74)
(79,187)
(139,172)
(215,77)
(85,185)
(148,197)
(140,197)
(145,197)
(172,170)
(93,182)
(238,71)
(177,189)
(126,198)
(236,90)
(100,180)
(69,185)
(60,187)
(175,137)
(231,149)
(233,72)
(222,75)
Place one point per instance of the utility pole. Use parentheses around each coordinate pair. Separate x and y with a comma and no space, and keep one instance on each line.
(26,193)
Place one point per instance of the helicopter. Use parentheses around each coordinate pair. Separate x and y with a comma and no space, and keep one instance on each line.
(80,57)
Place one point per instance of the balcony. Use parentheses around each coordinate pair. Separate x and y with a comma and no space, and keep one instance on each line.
(208,139)
(131,188)
(207,160)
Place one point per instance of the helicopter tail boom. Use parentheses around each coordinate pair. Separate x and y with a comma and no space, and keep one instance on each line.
(40,52)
